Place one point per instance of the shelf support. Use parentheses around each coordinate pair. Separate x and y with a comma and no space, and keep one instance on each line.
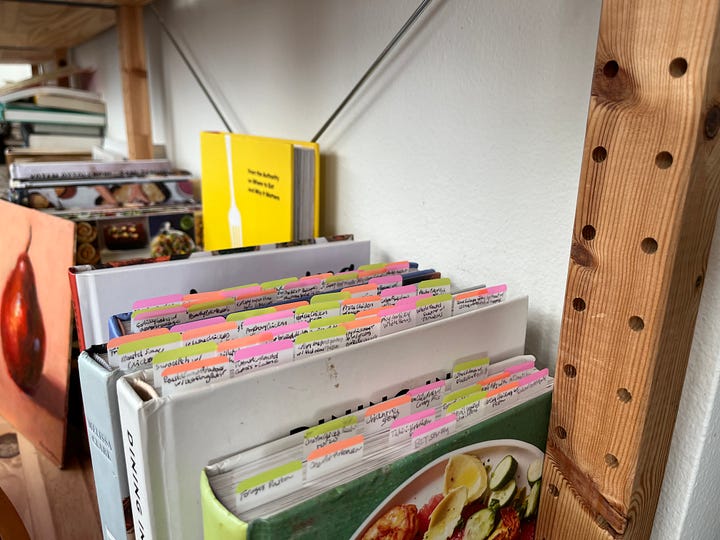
(646,212)
(133,65)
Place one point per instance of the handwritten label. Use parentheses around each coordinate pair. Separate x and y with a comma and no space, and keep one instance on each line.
(114,344)
(263,323)
(395,319)
(328,433)
(433,432)
(356,305)
(397,267)
(215,308)
(291,331)
(379,417)
(428,396)
(260,356)
(317,311)
(180,355)
(471,300)
(320,341)
(469,372)
(327,322)
(228,348)
(184,327)
(224,331)
(268,486)
(304,288)
(402,428)
(433,309)
(159,319)
(390,297)
(255,300)
(158,301)
(139,354)
(386,282)
(469,407)
(330,297)
(336,456)
(358,291)
(452,397)
(193,374)
(434,286)
(362,330)
(341,280)
(531,382)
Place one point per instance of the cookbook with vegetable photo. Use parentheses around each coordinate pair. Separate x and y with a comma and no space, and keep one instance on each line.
(470,473)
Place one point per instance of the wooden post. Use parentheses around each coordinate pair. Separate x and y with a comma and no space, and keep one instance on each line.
(646,211)
(60,63)
(134,79)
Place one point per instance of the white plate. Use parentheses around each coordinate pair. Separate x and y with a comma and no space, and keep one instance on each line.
(428,481)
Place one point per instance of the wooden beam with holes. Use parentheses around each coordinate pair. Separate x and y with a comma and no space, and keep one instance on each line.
(133,66)
(646,211)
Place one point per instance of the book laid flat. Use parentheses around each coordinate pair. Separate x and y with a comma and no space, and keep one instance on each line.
(258,190)
(100,292)
(232,415)
(27,112)
(43,141)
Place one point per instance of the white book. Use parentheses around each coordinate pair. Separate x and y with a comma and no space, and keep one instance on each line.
(100,293)
(168,440)
(43,141)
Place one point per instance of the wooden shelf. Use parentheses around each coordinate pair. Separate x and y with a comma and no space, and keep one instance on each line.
(32,32)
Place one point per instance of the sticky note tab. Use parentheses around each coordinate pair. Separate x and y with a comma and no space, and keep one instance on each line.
(114,343)
(329,297)
(397,267)
(358,291)
(268,486)
(246,301)
(261,356)
(304,288)
(432,309)
(213,308)
(434,286)
(266,322)
(138,354)
(469,372)
(327,322)
(428,396)
(433,432)
(359,304)
(317,311)
(228,348)
(362,330)
(223,331)
(319,341)
(277,283)
(336,456)
(471,406)
(197,324)
(242,315)
(390,297)
(341,281)
(160,318)
(180,355)
(394,319)
(402,428)
(158,301)
(328,433)
(379,417)
(387,282)
(291,331)
(202,372)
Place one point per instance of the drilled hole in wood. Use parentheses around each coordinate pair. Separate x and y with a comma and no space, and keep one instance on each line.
(698,282)
(678,67)
(599,154)
(554,491)
(588,232)
(578,304)
(611,69)
(560,432)
(649,245)
(570,371)
(636,323)
(663,160)
(624,395)
(611,461)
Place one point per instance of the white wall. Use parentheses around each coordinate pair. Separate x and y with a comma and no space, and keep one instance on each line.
(462,152)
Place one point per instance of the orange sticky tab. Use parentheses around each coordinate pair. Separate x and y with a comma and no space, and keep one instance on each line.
(253,294)
(316,276)
(204,297)
(360,300)
(389,404)
(334,447)
(470,294)
(247,341)
(117,341)
(197,364)
(367,274)
(210,329)
(290,306)
(504,388)
(360,288)
(493,378)
(359,323)
(368,312)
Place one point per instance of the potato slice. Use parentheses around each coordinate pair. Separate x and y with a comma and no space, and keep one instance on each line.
(466,470)
(446,515)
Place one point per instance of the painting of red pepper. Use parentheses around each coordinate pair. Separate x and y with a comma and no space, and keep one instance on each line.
(37,250)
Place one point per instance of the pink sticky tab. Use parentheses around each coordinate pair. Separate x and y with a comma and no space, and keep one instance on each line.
(405,289)
(427,413)
(183,327)
(534,377)
(160,313)
(397,266)
(309,281)
(449,419)
(157,301)
(497,289)
(411,302)
(386,280)
(427,388)
(233,293)
(264,348)
(520,367)
(392,310)
(287,329)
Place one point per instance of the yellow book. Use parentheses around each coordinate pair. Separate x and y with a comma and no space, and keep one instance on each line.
(258,190)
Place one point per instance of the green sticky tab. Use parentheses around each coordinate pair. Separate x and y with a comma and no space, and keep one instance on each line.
(437,299)
(339,423)
(137,312)
(242,315)
(313,308)
(330,297)
(276,284)
(317,335)
(332,321)
(241,287)
(182,352)
(374,266)
(209,305)
(472,398)
(347,276)
(460,394)
(470,364)
(266,476)
(431,283)
(147,343)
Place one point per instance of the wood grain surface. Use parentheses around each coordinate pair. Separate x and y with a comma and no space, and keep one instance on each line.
(646,211)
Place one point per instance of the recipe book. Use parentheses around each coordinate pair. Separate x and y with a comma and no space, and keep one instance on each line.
(168,440)
(257,190)
(100,292)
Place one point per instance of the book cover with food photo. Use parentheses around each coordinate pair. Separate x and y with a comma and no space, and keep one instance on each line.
(481,482)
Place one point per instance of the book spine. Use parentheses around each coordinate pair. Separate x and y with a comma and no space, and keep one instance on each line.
(136,460)
(106,447)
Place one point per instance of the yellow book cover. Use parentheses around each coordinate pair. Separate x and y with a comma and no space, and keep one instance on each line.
(254,189)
